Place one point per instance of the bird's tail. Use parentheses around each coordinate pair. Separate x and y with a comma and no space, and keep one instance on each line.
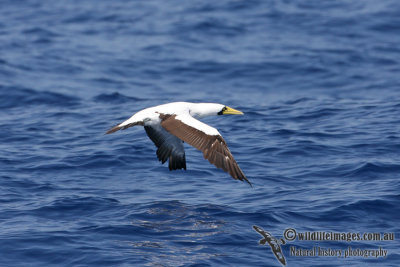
(124,125)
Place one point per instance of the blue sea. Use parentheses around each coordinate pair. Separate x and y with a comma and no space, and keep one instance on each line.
(318,82)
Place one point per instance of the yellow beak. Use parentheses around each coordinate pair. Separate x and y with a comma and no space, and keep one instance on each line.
(231,111)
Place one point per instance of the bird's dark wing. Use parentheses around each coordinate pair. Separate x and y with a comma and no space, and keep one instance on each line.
(169,147)
(213,146)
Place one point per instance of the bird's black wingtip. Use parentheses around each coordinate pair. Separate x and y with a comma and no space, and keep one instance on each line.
(251,185)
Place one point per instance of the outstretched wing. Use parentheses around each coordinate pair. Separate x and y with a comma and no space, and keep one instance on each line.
(169,147)
(206,139)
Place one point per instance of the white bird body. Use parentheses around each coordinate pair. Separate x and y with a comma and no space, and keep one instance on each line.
(185,111)
(168,125)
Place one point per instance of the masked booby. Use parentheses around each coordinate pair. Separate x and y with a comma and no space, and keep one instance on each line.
(169,125)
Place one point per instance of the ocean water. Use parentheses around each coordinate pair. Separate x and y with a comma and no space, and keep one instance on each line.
(318,82)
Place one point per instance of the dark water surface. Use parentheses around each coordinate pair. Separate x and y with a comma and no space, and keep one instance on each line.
(318,82)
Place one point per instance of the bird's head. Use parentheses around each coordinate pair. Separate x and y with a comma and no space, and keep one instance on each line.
(201,110)
(229,111)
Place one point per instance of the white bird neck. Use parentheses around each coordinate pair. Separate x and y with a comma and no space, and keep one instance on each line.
(201,110)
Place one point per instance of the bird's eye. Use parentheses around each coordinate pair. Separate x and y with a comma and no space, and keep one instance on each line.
(222,111)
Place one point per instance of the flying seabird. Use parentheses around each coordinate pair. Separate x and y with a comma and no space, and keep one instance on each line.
(169,125)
